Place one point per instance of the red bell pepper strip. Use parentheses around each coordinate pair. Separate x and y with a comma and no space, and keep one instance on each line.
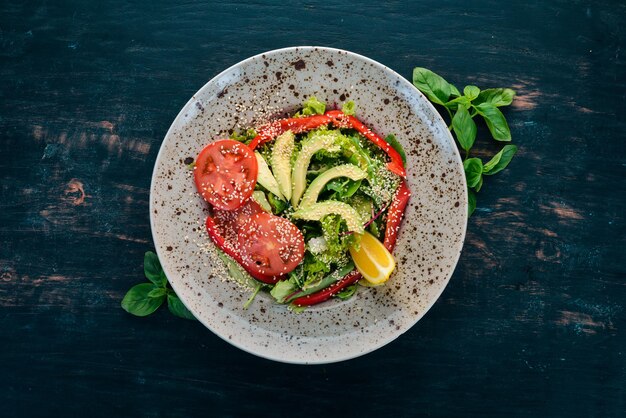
(220,241)
(394,215)
(296,125)
(330,291)
(341,120)
(338,118)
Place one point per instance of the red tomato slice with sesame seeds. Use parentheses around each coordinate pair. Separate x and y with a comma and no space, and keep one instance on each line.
(270,245)
(223,228)
(225,173)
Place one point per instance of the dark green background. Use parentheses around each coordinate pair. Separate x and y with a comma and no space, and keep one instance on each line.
(532,322)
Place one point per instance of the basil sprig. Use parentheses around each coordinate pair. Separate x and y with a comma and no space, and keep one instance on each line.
(462,109)
(145,298)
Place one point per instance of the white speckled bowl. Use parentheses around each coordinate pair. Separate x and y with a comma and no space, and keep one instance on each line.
(429,242)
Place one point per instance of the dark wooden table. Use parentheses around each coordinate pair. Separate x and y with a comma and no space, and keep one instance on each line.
(531,324)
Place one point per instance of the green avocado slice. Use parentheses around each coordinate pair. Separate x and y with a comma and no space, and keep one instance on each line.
(323,140)
(281,162)
(346,170)
(317,211)
(260,198)
(265,177)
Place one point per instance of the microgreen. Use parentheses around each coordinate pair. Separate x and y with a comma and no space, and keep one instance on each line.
(145,298)
(462,109)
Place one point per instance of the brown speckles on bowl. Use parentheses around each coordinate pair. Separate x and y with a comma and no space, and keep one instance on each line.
(429,242)
(299,64)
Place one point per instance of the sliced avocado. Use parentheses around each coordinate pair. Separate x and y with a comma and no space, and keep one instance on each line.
(260,198)
(346,170)
(281,162)
(265,177)
(317,211)
(322,140)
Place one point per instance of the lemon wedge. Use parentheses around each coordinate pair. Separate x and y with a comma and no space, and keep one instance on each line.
(373,260)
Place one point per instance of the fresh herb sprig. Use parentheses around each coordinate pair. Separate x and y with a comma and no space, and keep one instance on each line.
(462,109)
(145,298)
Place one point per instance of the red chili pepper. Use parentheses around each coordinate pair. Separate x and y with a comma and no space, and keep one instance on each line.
(330,291)
(341,120)
(219,240)
(394,215)
(296,125)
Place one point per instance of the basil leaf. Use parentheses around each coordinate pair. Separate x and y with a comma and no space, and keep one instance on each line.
(492,163)
(157,292)
(471,202)
(176,306)
(137,302)
(464,127)
(348,292)
(461,100)
(500,160)
(496,97)
(471,92)
(454,91)
(391,140)
(480,184)
(153,270)
(473,171)
(432,85)
(349,108)
(495,121)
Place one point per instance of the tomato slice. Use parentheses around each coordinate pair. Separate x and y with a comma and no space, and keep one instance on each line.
(223,228)
(269,244)
(225,173)
(228,222)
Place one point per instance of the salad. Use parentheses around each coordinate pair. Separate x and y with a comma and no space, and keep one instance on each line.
(307,207)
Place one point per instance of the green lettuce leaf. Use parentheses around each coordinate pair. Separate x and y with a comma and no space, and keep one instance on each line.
(283,289)
(349,108)
(312,106)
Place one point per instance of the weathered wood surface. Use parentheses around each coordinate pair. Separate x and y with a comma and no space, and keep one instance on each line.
(531,324)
